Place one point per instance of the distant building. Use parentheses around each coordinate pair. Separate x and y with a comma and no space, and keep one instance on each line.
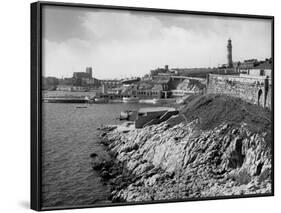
(130,81)
(71,88)
(150,93)
(160,71)
(263,69)
(194,72)
(163,81)
(147,90)
(66,81)
(189,86)
(92,83)
(85,79)
(86,75)
(109,84)
(89,70)
(246,65)
(49,83)
(64,88)
(158,87)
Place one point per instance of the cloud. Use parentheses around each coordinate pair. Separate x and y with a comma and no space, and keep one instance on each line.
(121,26)
(119,43)
(63,23)
(64,58)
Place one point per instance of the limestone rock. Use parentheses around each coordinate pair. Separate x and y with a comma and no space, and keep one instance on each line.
(183,161)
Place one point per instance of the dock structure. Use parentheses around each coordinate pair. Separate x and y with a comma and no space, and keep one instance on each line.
(153,115)
(66,99)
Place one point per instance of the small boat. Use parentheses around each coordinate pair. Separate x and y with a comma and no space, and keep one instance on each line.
(130,99)
(100,100)
(146,101)
(128,115)
(163,101)
(125,115)
(155,101)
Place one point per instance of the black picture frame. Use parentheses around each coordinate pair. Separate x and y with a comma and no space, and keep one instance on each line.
(36,97)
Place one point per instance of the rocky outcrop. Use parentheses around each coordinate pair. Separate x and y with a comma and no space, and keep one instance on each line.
(161,162)
(216,146)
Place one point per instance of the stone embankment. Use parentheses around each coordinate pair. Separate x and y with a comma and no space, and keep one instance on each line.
(183,160)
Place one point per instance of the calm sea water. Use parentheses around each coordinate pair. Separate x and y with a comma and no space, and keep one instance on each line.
(69,137)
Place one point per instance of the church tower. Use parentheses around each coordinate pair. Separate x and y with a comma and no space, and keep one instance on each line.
(229,54)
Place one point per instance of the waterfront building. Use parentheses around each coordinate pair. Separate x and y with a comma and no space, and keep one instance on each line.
(108,96)
(71,88)
(64,88)
(179,93)
(147,90)
(154,92)
(155,88)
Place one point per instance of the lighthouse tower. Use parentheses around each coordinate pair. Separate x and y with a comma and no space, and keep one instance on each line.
(229,54)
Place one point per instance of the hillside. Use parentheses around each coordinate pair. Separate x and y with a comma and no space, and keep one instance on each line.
(213,109)
(216,146)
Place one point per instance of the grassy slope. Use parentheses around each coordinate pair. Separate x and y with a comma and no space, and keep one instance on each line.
(214,109)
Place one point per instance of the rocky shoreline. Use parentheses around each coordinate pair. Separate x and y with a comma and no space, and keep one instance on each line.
(179,161)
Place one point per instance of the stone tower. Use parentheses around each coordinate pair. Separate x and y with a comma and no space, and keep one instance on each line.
(89,71)
(229,54)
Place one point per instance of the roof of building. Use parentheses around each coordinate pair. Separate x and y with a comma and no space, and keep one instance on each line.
(247,65)
(157,87)
(161,79)
(265,65)
(142,85)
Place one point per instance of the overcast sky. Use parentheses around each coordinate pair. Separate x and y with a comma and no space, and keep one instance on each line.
(120,44)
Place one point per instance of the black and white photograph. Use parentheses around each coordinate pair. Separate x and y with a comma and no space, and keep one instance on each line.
(143,106)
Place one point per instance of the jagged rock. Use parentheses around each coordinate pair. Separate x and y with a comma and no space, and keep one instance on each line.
(103,134)
(105,175)
(182,161)
(93,155)
(97,163)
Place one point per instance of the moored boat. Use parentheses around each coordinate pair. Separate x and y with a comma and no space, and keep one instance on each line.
(130,99)
(128,115)
(146,101)
(155,100)
(100,100)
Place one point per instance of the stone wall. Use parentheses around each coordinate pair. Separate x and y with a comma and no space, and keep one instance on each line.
(256,90)
(268,98)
